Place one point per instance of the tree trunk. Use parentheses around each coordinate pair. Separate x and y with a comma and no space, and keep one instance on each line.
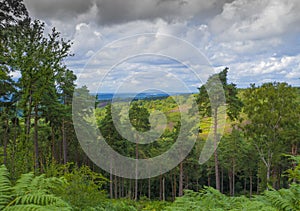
(36,144)
(172,187)
(60,157)
(279,179)
(116,187)
(163,189)
(233,178)
(149,189)
(28,119)
(222,180)
(160,187)
(251,185)
(175,186)
(257,190)
(110,181)
(268,175)
(136,171)
(53,155)
(5,142)
(245,185)
(14,146)
(180,192)
(64,142)
(230,182)
(215,148)
(274,176)
(186,182)
(294,153)
(129,189)
(141,188)
(120,187)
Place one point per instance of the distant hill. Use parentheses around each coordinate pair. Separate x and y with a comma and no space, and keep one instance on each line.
(134,96)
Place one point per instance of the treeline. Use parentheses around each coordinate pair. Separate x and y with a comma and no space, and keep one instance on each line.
(253,154)
(37,132)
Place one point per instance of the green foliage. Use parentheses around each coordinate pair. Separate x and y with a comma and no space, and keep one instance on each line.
(36,128)
(139,117)
(128,205)
(211,199)
(211,95)
(116,206)
(5,187)
(294,173)
(31,192)
(85,187)
(283,199)
(273,114)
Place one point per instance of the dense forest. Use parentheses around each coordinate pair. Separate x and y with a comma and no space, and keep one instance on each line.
(255,164)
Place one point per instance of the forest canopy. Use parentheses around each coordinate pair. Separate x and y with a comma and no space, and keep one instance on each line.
(255,164)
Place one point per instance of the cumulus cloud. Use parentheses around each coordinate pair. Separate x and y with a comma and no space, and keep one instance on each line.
(258,71)
(258,39)
(256,19)
(120,11)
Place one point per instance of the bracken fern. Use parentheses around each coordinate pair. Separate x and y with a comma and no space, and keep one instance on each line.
(30,193)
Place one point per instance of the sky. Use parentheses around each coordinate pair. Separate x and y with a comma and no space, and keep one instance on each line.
(175,45)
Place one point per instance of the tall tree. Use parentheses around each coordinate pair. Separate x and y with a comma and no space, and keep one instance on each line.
(111,136)
(270,109)
(232,154)
(12,12)
(139,118)
(39,60)
(66,85)
(211,105)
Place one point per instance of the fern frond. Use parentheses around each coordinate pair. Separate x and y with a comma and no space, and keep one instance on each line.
(37,183)
(52,184)
(39,199)
(5,187)
(23,183)
(27,207)
(28,183)
(33,207)
(283,199)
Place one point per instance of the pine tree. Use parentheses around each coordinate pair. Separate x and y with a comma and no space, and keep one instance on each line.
(212,105)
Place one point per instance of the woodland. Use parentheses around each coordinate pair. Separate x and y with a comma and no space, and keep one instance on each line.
(255,164)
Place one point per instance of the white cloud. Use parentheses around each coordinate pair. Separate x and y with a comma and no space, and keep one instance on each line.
(256,19)
(256,39)
(281,69)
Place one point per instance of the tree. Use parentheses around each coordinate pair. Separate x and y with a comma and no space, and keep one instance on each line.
(233,152)
(40,62)
(111,136)
(66,84)
(139,118)
(212,104)
(270,109)
(12,11)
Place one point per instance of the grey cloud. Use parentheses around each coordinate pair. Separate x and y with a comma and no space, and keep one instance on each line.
(58,9)
(121,11)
